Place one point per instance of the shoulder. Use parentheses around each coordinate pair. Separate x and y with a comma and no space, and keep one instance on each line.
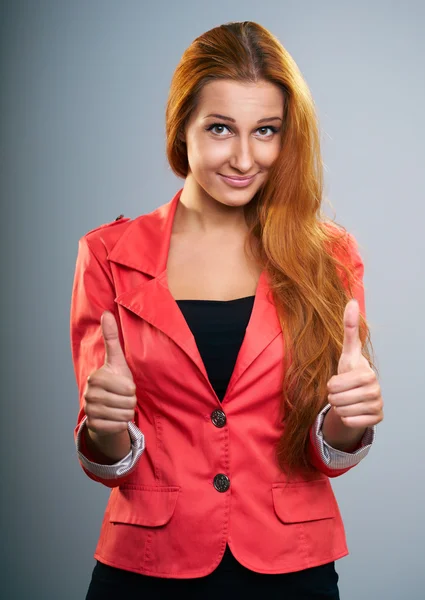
(340,243)
(116,224)
(103,238)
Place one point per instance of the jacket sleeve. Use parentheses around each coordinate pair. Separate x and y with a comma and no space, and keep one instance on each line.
(111,471)
(93,292)
(331,461)
(336,461)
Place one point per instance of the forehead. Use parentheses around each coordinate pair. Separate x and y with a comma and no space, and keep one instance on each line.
(233,98)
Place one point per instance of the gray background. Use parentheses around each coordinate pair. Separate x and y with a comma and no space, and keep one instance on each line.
(83,92)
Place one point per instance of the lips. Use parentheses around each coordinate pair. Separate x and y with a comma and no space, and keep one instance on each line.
(234,177)
(237,181)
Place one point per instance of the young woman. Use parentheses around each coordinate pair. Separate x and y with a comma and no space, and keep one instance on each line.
(220,347)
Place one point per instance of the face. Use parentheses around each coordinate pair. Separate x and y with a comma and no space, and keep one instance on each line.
(234,133)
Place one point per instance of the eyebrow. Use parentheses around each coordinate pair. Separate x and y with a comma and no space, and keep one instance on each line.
(224,118)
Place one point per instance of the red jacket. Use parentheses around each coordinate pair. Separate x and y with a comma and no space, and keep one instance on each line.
(167,517)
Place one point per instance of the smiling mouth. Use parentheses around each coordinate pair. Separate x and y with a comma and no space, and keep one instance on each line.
(235,178)
(238,182)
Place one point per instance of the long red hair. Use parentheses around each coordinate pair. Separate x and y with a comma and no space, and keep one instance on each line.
(306,255)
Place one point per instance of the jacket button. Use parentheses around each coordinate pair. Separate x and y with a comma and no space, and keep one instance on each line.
(218,418)
(221,482)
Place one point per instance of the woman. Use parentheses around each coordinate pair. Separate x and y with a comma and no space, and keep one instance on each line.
(220,347)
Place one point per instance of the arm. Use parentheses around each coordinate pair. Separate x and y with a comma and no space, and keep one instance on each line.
(333,447)
(93,292)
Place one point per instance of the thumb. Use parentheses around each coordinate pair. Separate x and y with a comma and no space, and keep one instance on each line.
(352,346)
(114,356)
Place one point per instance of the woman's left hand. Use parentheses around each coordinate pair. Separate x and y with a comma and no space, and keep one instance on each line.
(354,392)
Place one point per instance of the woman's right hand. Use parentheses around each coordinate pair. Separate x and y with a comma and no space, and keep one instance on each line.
(110,399)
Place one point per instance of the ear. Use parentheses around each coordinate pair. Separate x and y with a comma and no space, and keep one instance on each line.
(181,136)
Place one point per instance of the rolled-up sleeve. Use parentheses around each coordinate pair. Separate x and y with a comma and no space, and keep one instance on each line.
(337,459)
(119,469)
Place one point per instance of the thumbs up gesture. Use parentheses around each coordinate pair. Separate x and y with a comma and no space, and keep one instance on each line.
(354,392)
(109,396)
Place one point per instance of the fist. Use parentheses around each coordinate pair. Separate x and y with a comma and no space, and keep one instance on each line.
(354,392)
(109,396)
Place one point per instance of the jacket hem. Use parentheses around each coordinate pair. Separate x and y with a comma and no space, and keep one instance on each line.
(293,568)
(210,569)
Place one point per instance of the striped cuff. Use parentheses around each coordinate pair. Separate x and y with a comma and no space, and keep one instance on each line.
(337,459)
(123,466)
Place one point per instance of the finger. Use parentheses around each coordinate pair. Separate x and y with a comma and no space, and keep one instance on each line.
(355,395)
(361,421)
(358,409)
(104,428)
(114,356)
(115,383)
(351,343)
(99,397)
(357,378)
(107,413)
(352,347)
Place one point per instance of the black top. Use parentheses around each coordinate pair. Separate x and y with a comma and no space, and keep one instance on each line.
(219,328)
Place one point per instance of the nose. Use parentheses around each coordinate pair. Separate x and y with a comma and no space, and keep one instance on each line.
(242,158)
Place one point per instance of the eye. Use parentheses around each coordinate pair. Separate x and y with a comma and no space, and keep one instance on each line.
(222,126)
(214,125)
(272,129)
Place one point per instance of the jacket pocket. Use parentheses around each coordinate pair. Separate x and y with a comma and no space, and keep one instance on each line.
(304,501)
(146,506)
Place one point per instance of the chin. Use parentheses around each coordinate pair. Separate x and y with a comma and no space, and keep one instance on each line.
(232,195)
(240,198)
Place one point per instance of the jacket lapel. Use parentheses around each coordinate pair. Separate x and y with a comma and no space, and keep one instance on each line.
(262,329)
(144,247)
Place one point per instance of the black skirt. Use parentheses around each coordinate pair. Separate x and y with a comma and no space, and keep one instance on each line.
(229,580)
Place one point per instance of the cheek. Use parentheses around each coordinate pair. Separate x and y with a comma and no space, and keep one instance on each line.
(270,154)
(206,157)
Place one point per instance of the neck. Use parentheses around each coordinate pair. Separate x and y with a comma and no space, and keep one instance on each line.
(199,212)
